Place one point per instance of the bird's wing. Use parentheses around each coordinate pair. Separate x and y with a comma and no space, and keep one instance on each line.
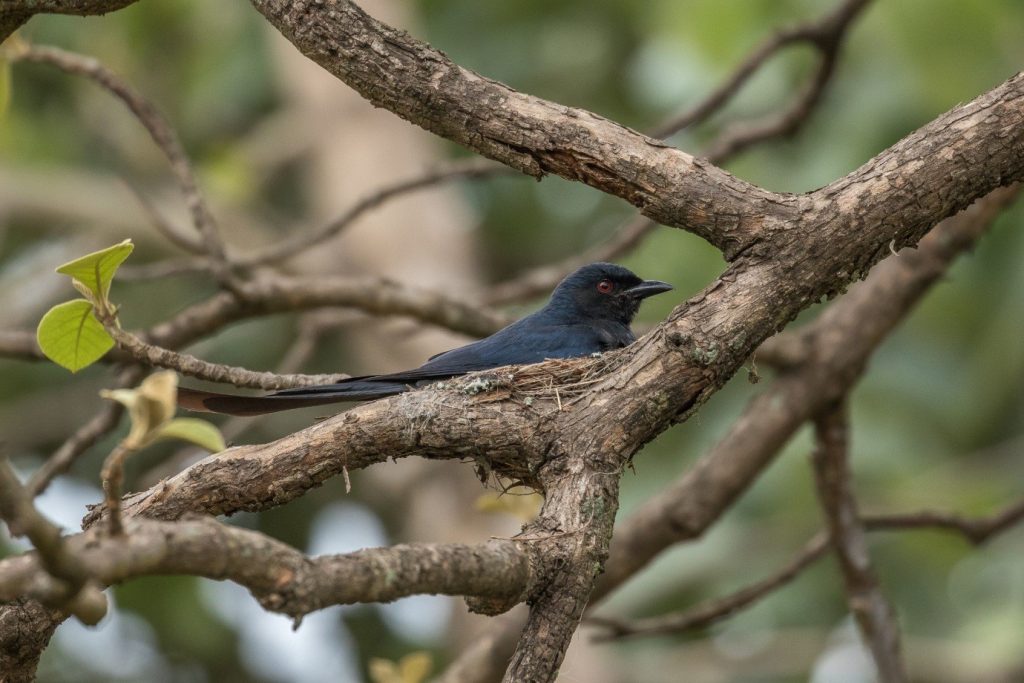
(524,342)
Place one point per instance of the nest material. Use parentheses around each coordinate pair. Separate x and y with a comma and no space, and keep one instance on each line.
(558,380)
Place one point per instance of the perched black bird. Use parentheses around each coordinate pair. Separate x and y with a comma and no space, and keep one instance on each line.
(589,312)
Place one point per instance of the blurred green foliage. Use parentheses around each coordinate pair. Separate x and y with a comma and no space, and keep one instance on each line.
(938,422)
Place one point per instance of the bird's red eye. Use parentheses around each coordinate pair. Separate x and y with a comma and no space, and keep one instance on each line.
(605,286)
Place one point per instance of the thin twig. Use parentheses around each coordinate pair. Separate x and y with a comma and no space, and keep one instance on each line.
(976,531)
(470,169)
(112,476)
(191,366)
(874,615)
(85,436)
(458,170)
(711,611)
(825,33)
(162,134)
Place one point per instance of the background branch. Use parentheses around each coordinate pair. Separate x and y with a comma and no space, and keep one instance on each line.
(874,614)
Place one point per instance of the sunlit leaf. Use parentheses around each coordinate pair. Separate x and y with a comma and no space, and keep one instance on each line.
(160,390)
(96,270)
(383,671)
(71,336)
(196,431)
(150,406)
(415,666)
(523,505)
(412,668)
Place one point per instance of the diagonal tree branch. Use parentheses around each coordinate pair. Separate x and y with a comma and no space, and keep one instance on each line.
(976,531)
(832,354)
(874,614)
(825,33)
(408,77)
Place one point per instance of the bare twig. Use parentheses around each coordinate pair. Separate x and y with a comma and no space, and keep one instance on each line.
(874,614)
(541,280)
(709,612)
(112,476)
(164,137)
(88,434)
(72,589)
(469,169)
(458,170)
(191,366)
(976,531)
(825,33)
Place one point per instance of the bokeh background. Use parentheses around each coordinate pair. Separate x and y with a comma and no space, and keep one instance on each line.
(282,147)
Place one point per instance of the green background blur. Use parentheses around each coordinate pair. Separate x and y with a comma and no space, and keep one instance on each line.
(938,422)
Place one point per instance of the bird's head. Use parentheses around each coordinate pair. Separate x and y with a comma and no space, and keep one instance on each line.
(604,291)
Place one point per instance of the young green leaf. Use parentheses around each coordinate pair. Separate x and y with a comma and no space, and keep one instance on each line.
(71,336)
(96,270)
(193,430)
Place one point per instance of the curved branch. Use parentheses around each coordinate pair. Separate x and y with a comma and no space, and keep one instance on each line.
(874,615)
(408,77)
(159,130)
(280,577)
(72,588)
(274,294)
(825,33)
(974,530)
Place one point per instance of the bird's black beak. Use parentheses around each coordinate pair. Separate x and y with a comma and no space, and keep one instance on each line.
(648,288)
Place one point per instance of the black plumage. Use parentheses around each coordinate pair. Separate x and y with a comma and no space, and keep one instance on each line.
(589,312)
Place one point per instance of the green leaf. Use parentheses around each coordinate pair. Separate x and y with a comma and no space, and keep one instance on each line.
(96,270)
(193,430)
(71,336)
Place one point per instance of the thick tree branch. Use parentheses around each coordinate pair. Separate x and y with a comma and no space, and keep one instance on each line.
(874,614)
(14,13)
(408,77)
(441,421)
(826,34)
(280,577)
(833,353)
